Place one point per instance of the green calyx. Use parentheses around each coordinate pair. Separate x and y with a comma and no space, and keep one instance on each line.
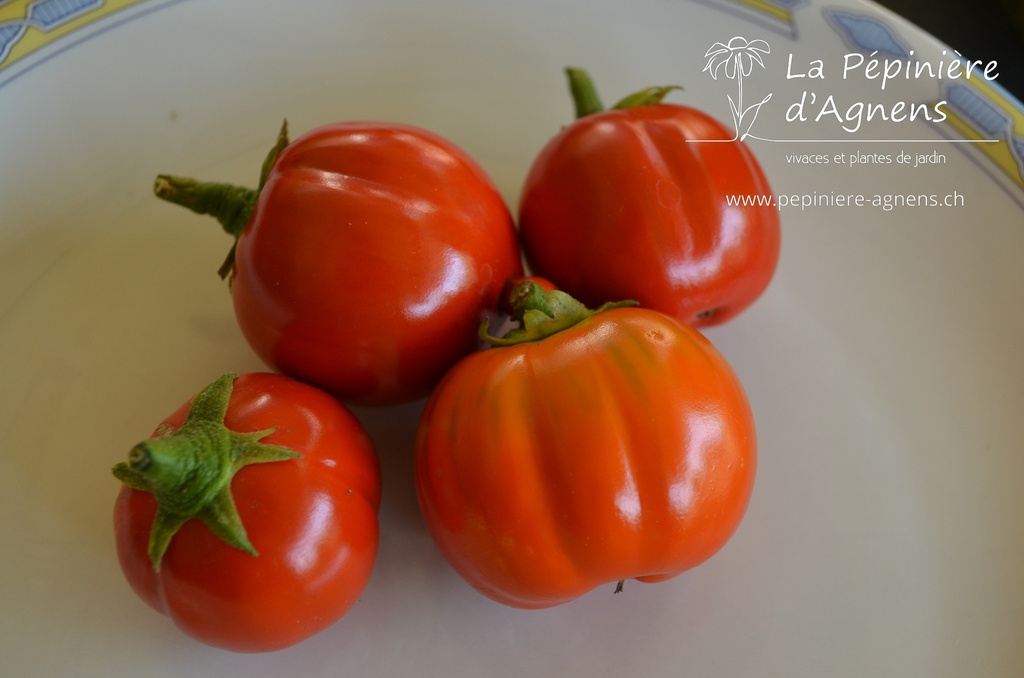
(587,101)
(189,470)
(541,314)
(231,205)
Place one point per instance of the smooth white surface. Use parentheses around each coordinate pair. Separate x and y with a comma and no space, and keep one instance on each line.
(883,364)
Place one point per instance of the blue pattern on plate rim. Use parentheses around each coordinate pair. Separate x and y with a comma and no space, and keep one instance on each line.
(866,33)
(44,15)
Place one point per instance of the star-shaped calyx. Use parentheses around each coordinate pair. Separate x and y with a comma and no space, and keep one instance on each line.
(189,470)
(541,314)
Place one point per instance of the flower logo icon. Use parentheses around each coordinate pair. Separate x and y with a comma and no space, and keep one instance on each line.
(736,60)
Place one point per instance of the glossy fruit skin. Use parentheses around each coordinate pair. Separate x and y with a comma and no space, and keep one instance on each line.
(371,253)
(622,204)
(313,521)
(622,447)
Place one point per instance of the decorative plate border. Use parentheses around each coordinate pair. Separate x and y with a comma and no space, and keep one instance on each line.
(776,15)
(34,31)
(977,109)
(29,25)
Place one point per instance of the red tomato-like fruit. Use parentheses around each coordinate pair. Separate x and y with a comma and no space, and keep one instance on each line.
(366,258)
(250,517)
(635,202)
(587,448)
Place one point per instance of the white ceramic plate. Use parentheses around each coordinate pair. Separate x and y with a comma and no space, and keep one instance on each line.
(883,364)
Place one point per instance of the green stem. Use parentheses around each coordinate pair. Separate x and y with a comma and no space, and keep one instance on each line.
(584,93)
(231,205)
(523,298)
(587,101)
(189,470)
(649,96)
(542,314)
